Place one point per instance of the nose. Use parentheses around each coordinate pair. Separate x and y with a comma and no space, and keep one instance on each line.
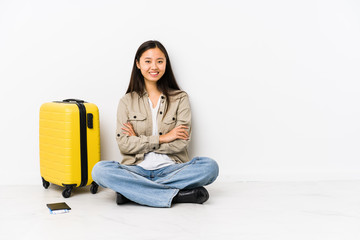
(154,65)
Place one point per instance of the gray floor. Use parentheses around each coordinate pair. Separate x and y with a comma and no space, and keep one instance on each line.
(236,210)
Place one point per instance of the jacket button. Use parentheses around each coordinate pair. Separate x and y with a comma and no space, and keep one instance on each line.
(134,116)
(160,112)
(160,133)
(173,119)
(118,135)
(162,97)
(154,148)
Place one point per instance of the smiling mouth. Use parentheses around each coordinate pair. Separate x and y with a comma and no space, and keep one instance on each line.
(154,73)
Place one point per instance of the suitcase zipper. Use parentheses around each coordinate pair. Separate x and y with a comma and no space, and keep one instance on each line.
(83,140)
(83,144)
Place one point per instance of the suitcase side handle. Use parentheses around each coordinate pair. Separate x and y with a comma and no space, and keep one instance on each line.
(73,100)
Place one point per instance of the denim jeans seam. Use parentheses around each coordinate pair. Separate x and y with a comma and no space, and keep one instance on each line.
(167,173)
(176,172)
(137,174)
(170,200)
(131,171)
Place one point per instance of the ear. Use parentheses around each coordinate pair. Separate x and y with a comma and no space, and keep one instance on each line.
(137,64)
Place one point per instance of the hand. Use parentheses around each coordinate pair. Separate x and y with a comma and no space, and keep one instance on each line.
(128,129)
(179,132)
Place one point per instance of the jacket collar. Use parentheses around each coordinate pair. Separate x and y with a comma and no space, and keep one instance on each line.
(146,94)
(176,94)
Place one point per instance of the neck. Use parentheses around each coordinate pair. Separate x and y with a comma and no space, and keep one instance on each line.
(152,88)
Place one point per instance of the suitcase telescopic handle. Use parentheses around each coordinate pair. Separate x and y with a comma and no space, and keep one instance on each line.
(73,100)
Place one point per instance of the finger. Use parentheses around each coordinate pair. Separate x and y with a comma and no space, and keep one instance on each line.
(183,136)
(131,130)
(126,130)
(129,134)
(183,131)
(129,124)
(131,127)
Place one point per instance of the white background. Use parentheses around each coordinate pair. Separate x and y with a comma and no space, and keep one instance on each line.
(274,85)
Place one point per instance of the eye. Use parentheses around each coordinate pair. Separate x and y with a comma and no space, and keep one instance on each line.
(160,61)
(147,61)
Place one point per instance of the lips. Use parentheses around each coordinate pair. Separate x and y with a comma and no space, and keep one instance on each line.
(154,74)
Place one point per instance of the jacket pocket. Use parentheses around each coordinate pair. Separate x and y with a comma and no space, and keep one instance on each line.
(138,121)
(169,123)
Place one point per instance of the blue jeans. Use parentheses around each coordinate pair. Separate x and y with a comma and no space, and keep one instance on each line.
(155,188)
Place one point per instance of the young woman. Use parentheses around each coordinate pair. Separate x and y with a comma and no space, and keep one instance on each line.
(153,132)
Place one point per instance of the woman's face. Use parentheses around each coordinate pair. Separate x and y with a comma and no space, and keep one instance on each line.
(152,64)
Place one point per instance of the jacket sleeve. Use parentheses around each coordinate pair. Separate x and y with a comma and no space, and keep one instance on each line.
(132,144)
(183,118)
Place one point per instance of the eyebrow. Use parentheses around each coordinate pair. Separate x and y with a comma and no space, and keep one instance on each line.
(156,59)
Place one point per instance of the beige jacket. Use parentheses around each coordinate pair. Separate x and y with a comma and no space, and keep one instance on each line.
(136,110)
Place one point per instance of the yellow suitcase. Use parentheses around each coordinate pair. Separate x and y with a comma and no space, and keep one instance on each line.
(69,136)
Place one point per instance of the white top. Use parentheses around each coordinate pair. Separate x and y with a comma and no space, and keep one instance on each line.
(153,161)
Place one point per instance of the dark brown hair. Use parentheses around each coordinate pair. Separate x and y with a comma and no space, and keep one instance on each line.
(165,84)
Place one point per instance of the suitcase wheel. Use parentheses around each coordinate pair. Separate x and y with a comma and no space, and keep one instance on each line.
(94,187)
(46,184)
(67,192)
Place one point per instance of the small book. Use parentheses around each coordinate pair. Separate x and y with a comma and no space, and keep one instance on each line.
(56,208)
